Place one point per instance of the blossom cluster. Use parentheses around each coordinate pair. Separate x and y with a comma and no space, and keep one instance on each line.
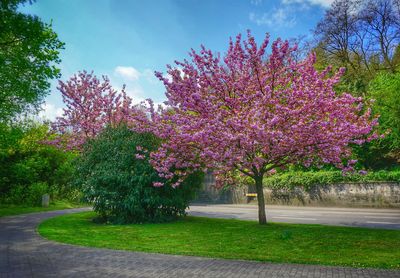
(91,104)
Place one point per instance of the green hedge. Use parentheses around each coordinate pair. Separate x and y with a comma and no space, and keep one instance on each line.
(308,179)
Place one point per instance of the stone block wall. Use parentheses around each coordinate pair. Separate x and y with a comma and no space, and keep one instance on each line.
(374,194)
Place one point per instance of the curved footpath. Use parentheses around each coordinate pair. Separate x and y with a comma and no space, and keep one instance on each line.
(23,253)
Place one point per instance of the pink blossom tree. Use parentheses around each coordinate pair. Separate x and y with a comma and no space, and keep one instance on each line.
(252,113)
(91,104)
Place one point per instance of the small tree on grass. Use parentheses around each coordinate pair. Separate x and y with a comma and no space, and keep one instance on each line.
(252,113)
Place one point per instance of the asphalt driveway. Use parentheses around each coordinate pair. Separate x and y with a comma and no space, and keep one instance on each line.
(23,253)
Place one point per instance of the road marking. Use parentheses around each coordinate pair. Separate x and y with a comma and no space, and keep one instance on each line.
(385,217)
(296,218)
(376,222)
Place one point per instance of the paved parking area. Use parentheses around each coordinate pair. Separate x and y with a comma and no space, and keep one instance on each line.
(23,253)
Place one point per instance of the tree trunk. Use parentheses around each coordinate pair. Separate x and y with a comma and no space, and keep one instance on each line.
(262,218)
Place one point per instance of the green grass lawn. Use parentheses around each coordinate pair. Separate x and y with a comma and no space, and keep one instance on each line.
(7,210)
(235,239)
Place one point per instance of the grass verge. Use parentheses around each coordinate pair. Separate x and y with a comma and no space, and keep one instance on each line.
(7,210)
(235,239)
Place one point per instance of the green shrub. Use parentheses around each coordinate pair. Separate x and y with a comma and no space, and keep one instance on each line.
(308,179)
(28,166)
(120,186)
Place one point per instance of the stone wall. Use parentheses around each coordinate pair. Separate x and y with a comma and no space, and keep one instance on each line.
(375,194)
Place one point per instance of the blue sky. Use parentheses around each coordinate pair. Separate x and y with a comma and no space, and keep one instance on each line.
(128,39)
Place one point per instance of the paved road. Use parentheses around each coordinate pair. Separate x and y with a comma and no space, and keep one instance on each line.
(373,218)
(23,253)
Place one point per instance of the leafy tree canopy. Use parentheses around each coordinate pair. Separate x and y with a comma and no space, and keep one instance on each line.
(29,50)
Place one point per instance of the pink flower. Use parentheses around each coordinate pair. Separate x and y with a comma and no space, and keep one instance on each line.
(158,184)
(271,172)
(352,161)
(139,156)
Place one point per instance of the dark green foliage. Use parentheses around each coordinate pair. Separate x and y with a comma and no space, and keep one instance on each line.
(28,51)
(375,155)
(120,186)
(29,168)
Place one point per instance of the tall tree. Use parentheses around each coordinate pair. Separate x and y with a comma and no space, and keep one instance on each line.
(381,21)
(252,113)
(29,50)
(336,32)
(362,36)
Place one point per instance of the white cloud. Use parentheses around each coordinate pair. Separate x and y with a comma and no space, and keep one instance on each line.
(136,93)
(140,84)
(131,77)
(134,90)
(322,3)
(50,112)
(129,73)
(150,77)
(277,18)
